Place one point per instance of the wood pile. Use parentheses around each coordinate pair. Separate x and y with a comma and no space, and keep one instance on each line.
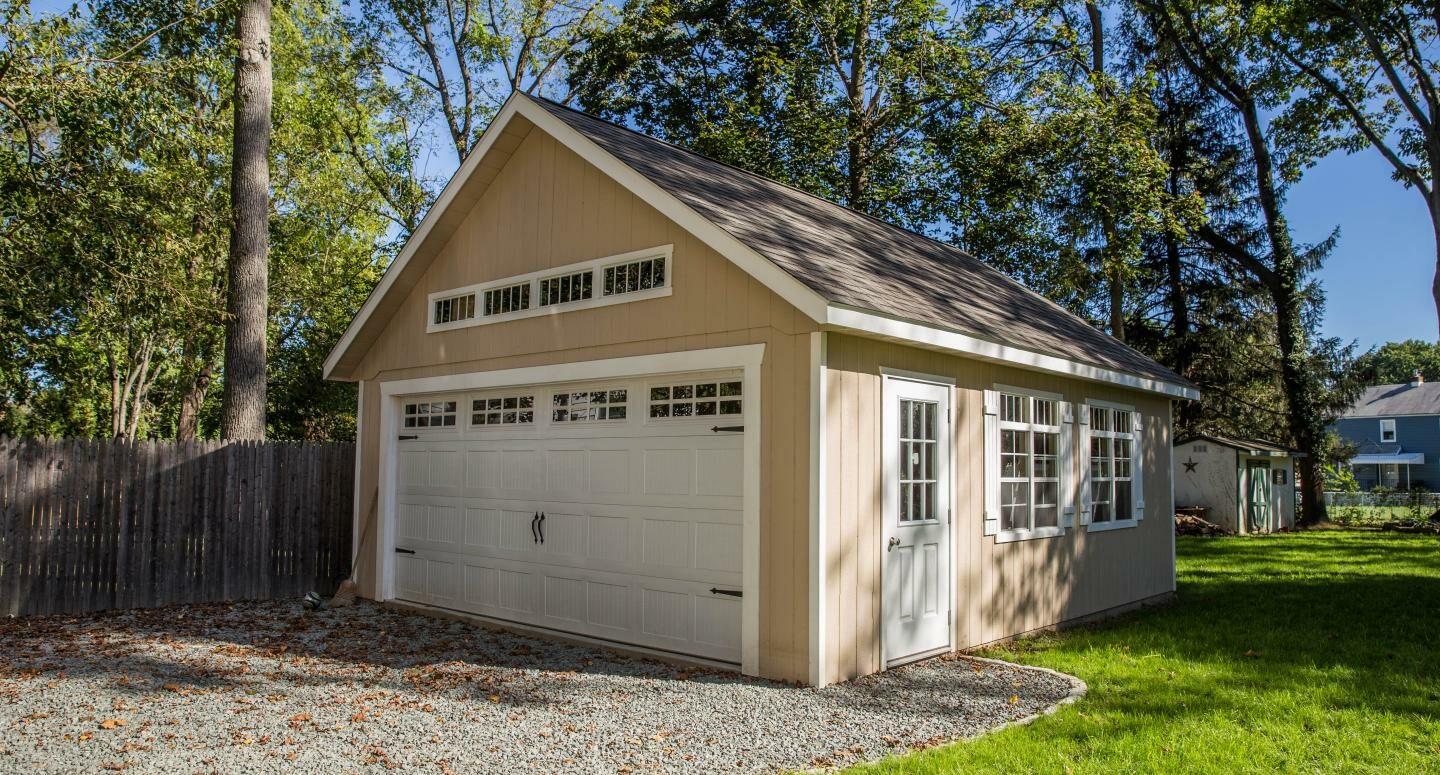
(1191,525)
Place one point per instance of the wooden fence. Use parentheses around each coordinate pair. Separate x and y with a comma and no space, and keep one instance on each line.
(88,525)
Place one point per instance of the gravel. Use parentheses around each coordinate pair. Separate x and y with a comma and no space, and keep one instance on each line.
(270,687)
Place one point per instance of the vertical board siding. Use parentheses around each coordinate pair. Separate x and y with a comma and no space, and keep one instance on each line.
(89,525)
(1000,589)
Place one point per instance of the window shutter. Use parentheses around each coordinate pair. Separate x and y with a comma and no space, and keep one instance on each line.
(1083,450)
(1067,464)
(1137,466)
(992,462)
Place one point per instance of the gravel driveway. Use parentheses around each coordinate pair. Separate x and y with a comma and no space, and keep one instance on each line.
(268,687)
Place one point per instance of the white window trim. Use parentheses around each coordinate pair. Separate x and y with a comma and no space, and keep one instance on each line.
(1136,496)
(1030,534)
(598,298)
(1394,432)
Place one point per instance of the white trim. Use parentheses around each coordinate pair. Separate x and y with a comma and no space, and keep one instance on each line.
(964,344)
(1394,430)
(357,526)
(818,467)
(1011,536)
(916,376)
(1137,498)
(598,299)
(1100,527)
(746,357)
(1026,534)
(1170,474)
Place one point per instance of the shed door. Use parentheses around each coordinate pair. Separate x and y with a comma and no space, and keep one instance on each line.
(1257,476)
(610,510)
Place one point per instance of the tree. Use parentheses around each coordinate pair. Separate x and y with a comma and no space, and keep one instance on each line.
(1218,46)
(243,404)
(1398,362)
(1368,75)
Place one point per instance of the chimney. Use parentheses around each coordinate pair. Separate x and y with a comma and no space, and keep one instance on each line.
(1419,379)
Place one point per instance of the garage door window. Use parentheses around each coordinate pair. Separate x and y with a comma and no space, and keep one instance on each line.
(430,414)
(589,406)
(503,410)
(696,399)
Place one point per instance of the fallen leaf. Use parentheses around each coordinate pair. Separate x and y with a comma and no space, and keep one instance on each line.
(1014,698)
(112,723)
(300,717)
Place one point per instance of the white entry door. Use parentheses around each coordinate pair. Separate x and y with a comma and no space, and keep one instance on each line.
(610,509)
(917,490)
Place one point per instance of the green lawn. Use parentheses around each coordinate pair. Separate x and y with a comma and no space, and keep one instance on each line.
(1310,652)
(1374,515)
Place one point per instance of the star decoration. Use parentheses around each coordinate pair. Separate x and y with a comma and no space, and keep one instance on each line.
(1190,465)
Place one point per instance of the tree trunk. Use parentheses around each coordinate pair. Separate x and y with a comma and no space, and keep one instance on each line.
(188,427)
(243,402)
(1435,226)
(856,121)
(1107,221)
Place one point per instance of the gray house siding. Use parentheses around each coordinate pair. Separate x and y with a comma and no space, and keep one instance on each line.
(1413,434)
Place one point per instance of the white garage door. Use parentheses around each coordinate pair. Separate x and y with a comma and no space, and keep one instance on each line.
(611,510)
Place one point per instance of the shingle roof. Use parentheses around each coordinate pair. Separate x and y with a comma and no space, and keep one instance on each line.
(1395,400)
(1252,446)
(852,259)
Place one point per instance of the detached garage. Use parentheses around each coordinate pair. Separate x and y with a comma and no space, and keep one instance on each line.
(617,391)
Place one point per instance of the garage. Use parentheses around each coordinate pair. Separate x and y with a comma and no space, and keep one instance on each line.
(610,509)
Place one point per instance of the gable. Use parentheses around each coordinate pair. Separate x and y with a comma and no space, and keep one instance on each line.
(545,209)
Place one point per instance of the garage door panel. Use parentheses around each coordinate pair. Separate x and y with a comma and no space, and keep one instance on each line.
(642,524)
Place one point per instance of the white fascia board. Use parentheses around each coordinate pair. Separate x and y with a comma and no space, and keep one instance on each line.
(872,324)
(762,269)
(417,237)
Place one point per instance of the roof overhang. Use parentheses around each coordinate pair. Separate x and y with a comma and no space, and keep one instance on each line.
(877,326)
(1400,458)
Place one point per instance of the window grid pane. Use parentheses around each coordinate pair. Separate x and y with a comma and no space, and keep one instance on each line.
(430,414)
(503,410)
(590,406)
(711,398)
(918,442)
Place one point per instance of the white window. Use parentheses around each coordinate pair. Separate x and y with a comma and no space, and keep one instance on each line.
(710,398)
(1029,463)
(430,414)
(919,439)
(1387,430)
(633,276)
(1111,463)
(511,298)
(503,410)
(589,405)
(454,308)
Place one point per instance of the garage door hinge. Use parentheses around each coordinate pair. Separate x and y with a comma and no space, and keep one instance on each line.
(730,592)
(408,438)
(728,429)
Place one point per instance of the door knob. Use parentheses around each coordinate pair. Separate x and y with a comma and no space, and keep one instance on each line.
(894,542)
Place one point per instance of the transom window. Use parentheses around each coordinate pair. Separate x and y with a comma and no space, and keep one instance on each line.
(503,410)
(918,446)
(589,406)
(567,288)
(453,308)
(715,398)
(1029,462)
(430,414)
(635,276)
(511,298)
(1112,444)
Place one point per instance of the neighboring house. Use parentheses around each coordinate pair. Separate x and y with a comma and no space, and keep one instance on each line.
(613,389)
(1396,433)
(1244,486)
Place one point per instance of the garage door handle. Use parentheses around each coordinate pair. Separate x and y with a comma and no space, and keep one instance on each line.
(398,550)
(535,531)
(730,592)
(542,527)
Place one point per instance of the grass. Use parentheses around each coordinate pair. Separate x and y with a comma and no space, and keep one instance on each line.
(1375,515)
(1307,652)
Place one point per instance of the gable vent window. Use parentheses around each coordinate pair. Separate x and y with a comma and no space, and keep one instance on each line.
(589,406)
(635,276)
(431,414)
(454,308)
(511,298)
(699,399)
(567,288)
(503,410)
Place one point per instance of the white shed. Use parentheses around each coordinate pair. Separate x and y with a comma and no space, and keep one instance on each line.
(1245,486)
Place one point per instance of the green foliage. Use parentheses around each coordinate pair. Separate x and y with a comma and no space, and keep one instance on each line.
(1303,652)
(1339,478)
(1398,362)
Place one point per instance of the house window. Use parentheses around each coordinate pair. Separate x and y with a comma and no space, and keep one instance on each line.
(503,410)
(454,308)
(1029,462)
(430,414)
(714,398)
(511,298)
(635,276)
(1387,430)
(919,443)
(589,406)
(567,288)
(1112,445)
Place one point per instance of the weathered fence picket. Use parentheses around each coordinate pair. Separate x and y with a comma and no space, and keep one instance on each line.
(90,525)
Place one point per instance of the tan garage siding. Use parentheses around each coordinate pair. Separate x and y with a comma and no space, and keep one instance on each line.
(1000,589)
(547,207)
